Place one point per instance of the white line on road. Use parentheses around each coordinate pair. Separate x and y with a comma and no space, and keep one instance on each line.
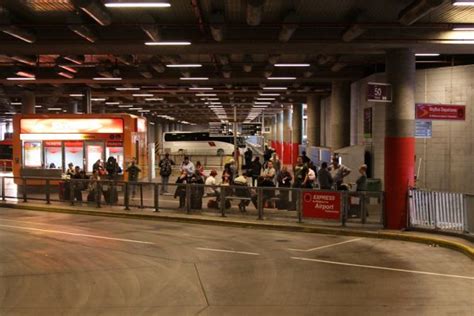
(230,251)
(384,268)
(77,234)
(327,246)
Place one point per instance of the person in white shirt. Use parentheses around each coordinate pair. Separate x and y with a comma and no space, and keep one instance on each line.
(211,183)
(188,166)
(338,172)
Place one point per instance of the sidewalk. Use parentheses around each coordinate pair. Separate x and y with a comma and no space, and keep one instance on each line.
(454,243)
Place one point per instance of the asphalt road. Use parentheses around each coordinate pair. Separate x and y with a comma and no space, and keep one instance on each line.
(59,264)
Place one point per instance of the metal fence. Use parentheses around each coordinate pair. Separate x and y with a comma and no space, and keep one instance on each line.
(280,203)
(441,211)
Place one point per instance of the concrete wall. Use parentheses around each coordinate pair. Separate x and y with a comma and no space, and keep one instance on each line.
(445,161)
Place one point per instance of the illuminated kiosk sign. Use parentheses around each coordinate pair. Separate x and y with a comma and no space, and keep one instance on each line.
(71,126)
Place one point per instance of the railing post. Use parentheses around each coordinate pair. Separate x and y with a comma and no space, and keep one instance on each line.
(3,189)
(126,198)
(71,191)
(156,196)
(363,210)
(344,207)
(260,203)
(188,198)
(25,197)
(99,193)
(48,199)
(222,199)
(299,204)
(465,209)
(141,195)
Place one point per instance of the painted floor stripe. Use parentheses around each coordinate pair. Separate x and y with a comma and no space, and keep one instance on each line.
(230,251)
(77,234)
(384,268)
(327,246)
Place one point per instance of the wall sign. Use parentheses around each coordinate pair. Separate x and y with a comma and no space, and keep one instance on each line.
(427,111)
(71,126)
(324,205)
(379,92)
(251,128)
(368,123)
(423,129)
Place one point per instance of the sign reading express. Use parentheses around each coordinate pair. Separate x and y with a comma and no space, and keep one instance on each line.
(323,205)
(425,111)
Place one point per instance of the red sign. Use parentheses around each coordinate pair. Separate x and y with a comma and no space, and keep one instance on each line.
(114,144)
(324,205)
(440,112)
(71,126)
(52,144)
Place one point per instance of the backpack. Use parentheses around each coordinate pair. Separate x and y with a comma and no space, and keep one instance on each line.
(165,168)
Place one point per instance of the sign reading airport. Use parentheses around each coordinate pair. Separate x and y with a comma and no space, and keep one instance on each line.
(426,111)
(323,205)
(379,92)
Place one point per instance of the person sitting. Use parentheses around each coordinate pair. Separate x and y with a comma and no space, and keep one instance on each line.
(242,181)
(80,184)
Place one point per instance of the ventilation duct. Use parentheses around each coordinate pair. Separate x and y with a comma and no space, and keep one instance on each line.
(27,60)
(84,32)
(96,10)
(416,10)
(126,59)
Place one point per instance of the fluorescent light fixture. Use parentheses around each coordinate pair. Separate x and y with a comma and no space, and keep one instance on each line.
(140,4)
(194,78)
(98,99)
(281,78)
(108,79)
(76,95)
(136,109)
(275,88)
(463,28)
(112,103)
(292,65)
(16,103)
(70,69)
(144,95)
(206,94)
(214,103)
(259,103)
(25,74)
(10,113)
(154,99)
(201,88)
(269,94)
(265,99)
(21,78)
(427,55)
(143,111)
(127,89)
(54,109)
(210,99)
(168,43)
(19,33)
(38,106)
(126,106)
(184,65)
(464,3)
(459,42)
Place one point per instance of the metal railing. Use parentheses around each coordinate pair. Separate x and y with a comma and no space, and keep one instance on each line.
(443,211)
(295,204)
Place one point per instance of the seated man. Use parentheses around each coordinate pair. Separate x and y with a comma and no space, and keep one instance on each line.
(242,192)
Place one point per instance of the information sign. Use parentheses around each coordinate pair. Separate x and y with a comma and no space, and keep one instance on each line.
(423,129)
(426,111)
(323,205)
(379,92)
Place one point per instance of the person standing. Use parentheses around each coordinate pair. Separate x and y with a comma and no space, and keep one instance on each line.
(306,159)
(362,180)
(166,167)
(300,172)
(133,172)
(325,178)
(284,181)
(255,170)
(338,172)
(248,158)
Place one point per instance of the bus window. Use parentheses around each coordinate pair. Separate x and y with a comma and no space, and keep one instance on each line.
(32,154)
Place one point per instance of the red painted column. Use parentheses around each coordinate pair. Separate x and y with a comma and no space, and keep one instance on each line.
(297,131)
(399,137)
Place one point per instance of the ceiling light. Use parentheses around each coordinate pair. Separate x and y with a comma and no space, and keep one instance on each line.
(201,88)
(154,99)
(78,60)
(169,43)
(281,78)
(194,78)
(265,99)
(20,78)
(112,103)
(54,109)
(427,54)
(127,89)
(126,106)
(262,102)
(139,4)
(275,88)
(463,3)
(269,94)
(76,95)
(16,103)
(184,65)
(10,113)
(70,69)
(98,99)
(210,99)
(23,73)
(143,111)
(206,94)
(38,106)
(458,42)
(136,109)
(108,78)
(292,65)
(144,95)
(19,33)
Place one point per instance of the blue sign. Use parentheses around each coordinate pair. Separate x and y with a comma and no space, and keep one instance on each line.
(423,129)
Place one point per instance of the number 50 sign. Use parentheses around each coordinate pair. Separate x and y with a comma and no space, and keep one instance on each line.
(379,92)
(324,205)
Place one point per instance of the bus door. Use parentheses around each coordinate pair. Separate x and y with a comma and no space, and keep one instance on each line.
(95,150)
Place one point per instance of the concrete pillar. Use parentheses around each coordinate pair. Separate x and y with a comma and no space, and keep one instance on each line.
(297,124)
(86,101)
(340,114)
(399,135)
(279,134)
(313,123)
(72,107)
(287,147)
(28,101)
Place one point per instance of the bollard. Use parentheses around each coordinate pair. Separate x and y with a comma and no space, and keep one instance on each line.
(3,189)
(126,198)
(99,194)
(48,199)
(141,195)
(260,203)
(156,196)
(25,197)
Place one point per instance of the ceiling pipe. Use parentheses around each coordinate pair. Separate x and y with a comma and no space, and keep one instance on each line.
(217,25)
(353,32)
(126,59)
(418,9)
(95,9)
(150,28)
(85,32)
(28,60)
(255,12)
(78,60)
(290,24)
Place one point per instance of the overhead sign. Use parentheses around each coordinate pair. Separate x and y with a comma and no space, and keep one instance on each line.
(368,123)
(423,129)
(71,126)
(426,111)
(251,128)
(323,205)
(218,128)
(379,92)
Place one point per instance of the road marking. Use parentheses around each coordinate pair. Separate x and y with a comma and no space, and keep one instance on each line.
(327,246)
(229,251)
(77,234)
(384,268)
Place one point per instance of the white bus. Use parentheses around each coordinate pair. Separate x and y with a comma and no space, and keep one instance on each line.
(200,143)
